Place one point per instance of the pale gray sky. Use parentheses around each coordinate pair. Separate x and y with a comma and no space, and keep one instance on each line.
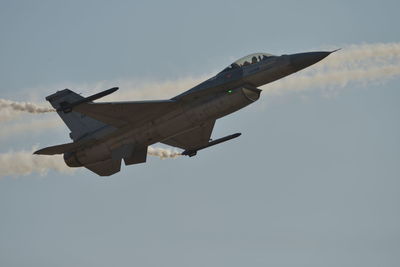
(314,180)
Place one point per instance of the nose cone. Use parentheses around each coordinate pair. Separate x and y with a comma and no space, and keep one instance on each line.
(303,60)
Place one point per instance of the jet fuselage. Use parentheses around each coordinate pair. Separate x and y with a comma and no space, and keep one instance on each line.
(173,122)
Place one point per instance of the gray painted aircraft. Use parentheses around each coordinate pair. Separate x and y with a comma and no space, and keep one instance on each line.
(106,133)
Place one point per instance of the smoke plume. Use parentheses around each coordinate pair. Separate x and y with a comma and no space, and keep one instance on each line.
(355,64)
(24,106)
(10,109)
(20,163)
(163,153)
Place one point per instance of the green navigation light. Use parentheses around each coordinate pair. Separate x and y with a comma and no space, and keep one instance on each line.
(229,91)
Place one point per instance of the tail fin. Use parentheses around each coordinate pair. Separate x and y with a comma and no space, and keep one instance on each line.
(79,124)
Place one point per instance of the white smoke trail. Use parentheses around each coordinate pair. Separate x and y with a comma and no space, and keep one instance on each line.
(20,163)
(363,64)
(352,54)
(24,106)
(11,109)
(163,153)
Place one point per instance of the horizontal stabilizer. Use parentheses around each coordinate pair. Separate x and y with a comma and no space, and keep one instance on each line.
(58,149)
(67,106)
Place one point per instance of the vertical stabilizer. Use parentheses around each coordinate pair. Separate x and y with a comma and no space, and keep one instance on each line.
(79,124)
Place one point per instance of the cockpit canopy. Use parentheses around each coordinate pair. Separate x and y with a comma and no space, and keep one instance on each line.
(248,60)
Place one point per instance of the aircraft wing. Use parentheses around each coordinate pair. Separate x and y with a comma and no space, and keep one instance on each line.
(120,114)
(193,139)
(63,148)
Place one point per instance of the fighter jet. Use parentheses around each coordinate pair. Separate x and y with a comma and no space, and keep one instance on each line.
(105,133)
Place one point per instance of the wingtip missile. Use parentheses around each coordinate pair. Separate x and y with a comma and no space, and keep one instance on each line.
(193,152)
(67,107)
(101,94)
